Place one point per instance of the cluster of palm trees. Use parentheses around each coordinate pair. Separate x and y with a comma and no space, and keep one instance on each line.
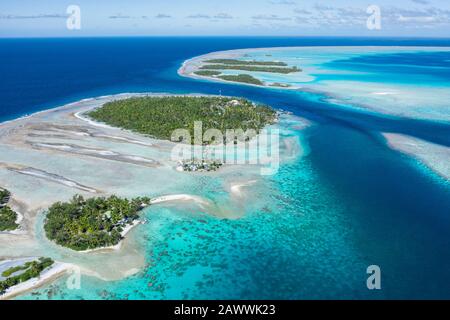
(252,68)
(7,216)
(4,196)
(244,78)
(83,224)
(247,62)
(159,117)
(248,65)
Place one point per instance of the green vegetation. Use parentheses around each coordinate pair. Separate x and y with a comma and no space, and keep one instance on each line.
(12,270)
(8,219)
(244,78)
(247,62)
(92,223)
(250,68)
(7,216)
(207,73)
(30,270)
(4,196)
(160,116)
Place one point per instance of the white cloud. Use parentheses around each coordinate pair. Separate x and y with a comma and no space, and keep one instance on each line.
(199,16)
(38,16)
(283,2)
(163,16)
(271,17)
(223,15)
(416,19)
(326,16)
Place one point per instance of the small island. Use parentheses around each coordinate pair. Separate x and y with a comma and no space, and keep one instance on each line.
(249,65)
(159,117)
(252,68)
(247,62)
(16,275)
(87,224)
(207,73)
(243,78)
(8,217)
(216,69)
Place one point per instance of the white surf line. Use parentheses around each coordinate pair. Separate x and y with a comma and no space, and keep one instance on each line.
(180,197)
(163,199)
(91,122)
(75,130)
(236,188)
(75,149)
(102,125)
(384,93)
(122,139)
(52,177)
(98,153)
(65,133)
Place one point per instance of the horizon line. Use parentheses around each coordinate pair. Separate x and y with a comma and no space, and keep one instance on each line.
(231,36)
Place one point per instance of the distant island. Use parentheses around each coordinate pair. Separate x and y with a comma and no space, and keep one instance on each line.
(158,117)
(252,68)
(86,224)
(215,68)
(243,78)
(8,217)
(247,62)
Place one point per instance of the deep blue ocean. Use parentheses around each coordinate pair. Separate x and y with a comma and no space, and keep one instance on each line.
(398,211)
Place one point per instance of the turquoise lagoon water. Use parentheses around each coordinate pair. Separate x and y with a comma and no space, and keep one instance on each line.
(362,64)
(311,230)
(290,222)
(407,81)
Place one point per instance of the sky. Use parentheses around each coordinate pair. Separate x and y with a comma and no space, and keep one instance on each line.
(48,18)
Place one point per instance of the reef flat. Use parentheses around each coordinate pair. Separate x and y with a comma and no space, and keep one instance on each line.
(51,156)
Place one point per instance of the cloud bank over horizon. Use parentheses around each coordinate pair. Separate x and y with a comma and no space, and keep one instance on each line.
(233,17)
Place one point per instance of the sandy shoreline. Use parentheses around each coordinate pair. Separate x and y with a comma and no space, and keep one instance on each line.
(236,188)
(57,270)
(52,155)
(432,155)
(159,200)
(189,66)
(370,96)
(193,64)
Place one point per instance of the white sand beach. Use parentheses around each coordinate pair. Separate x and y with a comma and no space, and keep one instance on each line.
(180,197)
(57,270)
(236,188)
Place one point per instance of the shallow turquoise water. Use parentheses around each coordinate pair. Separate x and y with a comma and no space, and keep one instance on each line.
(271,252)
(308,232)
(303,236)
